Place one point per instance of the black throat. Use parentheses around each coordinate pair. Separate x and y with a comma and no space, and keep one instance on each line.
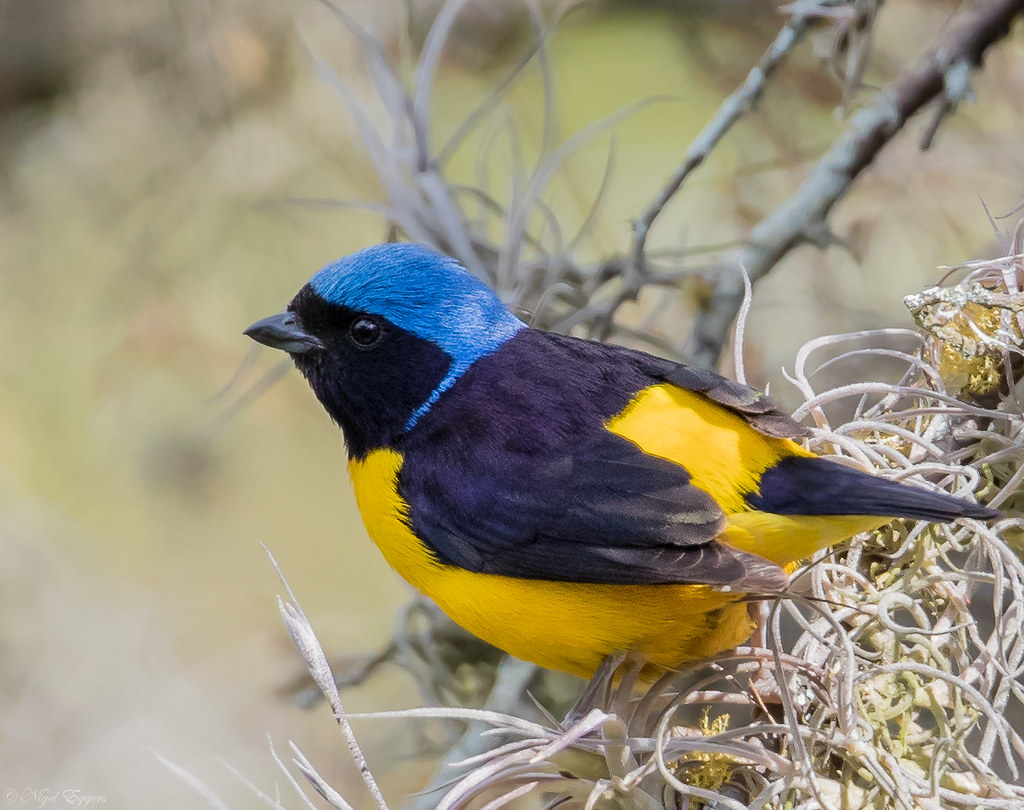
(369,392)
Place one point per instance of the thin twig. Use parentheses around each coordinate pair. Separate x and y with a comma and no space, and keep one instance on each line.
(742,101)
(804,216)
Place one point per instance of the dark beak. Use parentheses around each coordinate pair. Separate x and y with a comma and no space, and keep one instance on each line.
(283,331)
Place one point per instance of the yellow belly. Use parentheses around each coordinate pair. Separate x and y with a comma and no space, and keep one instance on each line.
(561,625)
(572,626)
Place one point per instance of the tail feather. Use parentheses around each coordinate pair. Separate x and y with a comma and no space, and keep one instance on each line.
(801,485)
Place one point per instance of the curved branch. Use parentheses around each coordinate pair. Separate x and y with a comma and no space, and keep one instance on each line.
(804,216)
(742,100)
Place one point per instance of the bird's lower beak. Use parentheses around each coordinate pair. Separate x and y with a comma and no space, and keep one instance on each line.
(283,331)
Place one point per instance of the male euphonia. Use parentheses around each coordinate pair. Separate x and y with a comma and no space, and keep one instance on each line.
(564,499)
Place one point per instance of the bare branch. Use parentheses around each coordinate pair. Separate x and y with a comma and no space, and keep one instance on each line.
(794,222)
(732,109)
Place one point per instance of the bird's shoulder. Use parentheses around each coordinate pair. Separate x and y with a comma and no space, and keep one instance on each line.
(555,387)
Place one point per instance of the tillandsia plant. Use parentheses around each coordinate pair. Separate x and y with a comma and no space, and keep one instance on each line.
(893,676)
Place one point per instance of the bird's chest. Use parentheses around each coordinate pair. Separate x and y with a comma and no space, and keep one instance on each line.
(386,516)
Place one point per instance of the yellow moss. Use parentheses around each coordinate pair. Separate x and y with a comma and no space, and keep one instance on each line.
(968,365)
(715,769)
(969,343)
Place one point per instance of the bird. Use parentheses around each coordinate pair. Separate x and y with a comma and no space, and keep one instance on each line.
(564,499)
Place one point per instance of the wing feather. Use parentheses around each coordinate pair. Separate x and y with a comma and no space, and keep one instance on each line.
(607,513)
(513,472)
(757,408)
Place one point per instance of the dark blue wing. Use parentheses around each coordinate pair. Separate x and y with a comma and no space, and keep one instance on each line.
(604,512)
(512,472)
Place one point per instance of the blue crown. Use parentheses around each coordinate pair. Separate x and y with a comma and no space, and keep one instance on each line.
(426,293)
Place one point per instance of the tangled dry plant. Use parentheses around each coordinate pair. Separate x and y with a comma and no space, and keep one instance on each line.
(892,673)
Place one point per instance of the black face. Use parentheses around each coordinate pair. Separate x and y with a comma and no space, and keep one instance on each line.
(369,374)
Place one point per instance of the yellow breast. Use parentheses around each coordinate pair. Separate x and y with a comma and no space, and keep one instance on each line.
(566,626)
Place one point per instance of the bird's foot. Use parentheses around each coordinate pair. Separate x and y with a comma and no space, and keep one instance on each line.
(600,692)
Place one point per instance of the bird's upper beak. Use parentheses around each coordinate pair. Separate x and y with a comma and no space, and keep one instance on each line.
(283,331)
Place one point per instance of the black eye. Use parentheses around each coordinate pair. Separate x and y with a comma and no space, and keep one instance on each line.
(365,332)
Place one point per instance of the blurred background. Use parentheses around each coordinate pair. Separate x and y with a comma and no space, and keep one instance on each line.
(157,160)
